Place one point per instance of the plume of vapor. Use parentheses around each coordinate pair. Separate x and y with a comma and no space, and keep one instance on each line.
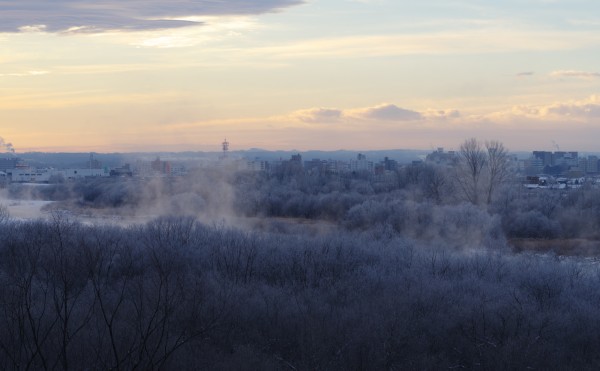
(8,146)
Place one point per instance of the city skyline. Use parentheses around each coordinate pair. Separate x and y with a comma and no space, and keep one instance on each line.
(303,75)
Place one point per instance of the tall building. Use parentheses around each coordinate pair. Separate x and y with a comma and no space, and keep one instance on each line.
(442,158)
(8,163)
(545,158)
(361,164)
(161,167)
(554,162)
(592,164)
(565,158)
(390,165)
(94,163)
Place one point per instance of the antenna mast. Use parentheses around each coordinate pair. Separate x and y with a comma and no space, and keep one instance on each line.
(225,145)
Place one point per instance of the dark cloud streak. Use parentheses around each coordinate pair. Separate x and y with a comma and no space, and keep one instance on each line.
(131,15)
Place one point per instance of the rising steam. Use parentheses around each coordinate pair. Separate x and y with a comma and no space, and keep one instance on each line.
(8,146)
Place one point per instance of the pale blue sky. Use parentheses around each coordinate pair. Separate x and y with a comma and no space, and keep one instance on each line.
(81,75)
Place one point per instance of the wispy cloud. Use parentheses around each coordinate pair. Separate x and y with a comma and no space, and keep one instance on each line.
(448,114)
(482,40)
(315,115)
(525,74)
(387,112)
(215,30)
(585,111)
(98,16)
(24,74)
(390,126)
(382,113)
(366,127)
(576,74)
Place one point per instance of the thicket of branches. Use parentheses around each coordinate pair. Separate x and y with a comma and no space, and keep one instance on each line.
(176,294)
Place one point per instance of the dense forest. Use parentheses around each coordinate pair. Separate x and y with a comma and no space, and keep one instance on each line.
(177,294)
(428,267)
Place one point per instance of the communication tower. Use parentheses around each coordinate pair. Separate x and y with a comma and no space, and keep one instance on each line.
(225,145)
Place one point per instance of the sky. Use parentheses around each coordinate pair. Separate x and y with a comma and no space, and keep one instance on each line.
(179,75)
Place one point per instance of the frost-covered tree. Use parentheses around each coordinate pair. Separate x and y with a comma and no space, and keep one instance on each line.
(472,160)
(4,214)
(481,170)
(497,166)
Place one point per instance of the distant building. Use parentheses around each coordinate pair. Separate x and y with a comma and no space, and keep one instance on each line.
(533,165)
(337,167)
(592,165)
(361,164)
(29,175)
(296,160)
(153,168)
(82,173)
(161,167)
(257,165)
(544,157)
(390,165)
(94,163)
(442,158)
(293,166)
(315,165)
(556,158)
(122,171)
(555,163)
(33,175)
(8,163)
(565,158)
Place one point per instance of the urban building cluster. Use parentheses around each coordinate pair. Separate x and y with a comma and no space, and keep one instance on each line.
(559,163)
(542,169)
(560,170)
(358,165)
(296,164)
(14,170)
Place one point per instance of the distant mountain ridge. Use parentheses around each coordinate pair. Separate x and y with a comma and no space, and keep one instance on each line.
(81,159)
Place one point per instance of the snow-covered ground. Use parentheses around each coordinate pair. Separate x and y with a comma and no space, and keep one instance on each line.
(34,209)
(25,209)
